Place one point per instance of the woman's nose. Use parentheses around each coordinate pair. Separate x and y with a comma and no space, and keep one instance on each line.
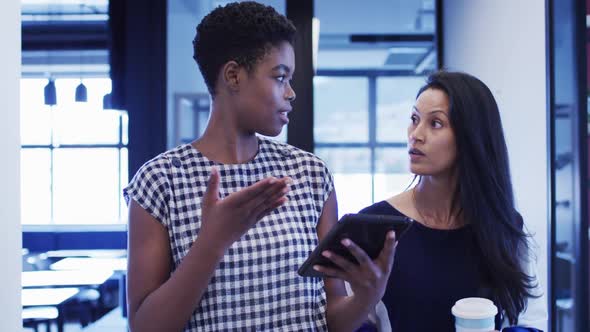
(290,94)
(416,134)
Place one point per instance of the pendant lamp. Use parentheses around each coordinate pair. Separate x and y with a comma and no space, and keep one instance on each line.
(81,93)
(50,95)
(107,103)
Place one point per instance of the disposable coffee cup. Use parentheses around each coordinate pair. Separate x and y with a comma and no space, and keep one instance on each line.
(474,314)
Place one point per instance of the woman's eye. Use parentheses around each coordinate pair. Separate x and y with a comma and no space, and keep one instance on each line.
(414,119)
(281,78)
(436,124)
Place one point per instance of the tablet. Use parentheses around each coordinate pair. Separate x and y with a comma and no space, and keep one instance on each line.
(368,231)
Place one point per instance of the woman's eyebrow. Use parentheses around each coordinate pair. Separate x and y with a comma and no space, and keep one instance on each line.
(438,111)
(431,112)
(282,67)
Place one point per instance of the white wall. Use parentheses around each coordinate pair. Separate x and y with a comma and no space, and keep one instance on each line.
(10,236)
(502,42)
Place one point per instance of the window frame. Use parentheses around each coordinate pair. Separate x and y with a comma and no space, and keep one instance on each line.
(372,143)
(52,226)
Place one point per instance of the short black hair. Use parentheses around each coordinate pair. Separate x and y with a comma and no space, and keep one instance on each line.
(241,31)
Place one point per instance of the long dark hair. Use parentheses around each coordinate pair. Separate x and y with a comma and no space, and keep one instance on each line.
(484,194)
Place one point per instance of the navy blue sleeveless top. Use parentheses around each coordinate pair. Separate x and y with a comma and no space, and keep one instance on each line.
(433,268)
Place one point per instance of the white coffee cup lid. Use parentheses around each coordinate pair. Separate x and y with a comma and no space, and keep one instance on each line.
(474,308)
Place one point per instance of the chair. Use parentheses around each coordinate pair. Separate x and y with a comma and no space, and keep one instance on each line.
(36,262)
(34,316)
(83,306)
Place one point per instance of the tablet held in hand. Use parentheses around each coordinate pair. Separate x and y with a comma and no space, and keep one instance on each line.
(368,231)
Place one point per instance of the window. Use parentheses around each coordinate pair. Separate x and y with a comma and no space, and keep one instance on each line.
(362,137)
(366,82)
(74,155)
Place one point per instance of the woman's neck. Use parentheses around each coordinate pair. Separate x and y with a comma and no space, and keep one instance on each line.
(222,141)
(433,201)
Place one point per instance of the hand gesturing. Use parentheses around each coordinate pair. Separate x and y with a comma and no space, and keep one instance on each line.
(225,220)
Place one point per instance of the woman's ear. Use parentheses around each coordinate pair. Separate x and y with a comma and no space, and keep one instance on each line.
(231,75)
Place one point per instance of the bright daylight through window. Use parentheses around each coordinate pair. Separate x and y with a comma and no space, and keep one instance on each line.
(74,155)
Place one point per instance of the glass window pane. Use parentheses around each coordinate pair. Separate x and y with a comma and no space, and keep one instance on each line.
(125,129)
(78,198)
(392,173)
(85,122)
(186,124)
(340,109)
(35,186)
(124,171)
(395,99)
(346,39)
(86,186)
(86,127)
(351,170)
(35,116)
(191,115)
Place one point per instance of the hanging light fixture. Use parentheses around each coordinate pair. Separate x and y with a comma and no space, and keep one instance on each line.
(50,94)
(81,93)
(107,103)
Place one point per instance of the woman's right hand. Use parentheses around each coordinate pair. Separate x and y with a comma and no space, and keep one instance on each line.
(224,221)
(368,278)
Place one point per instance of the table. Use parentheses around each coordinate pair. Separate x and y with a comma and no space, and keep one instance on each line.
(90,263)
(111,322)
(31,297)
(118,265)
(48,297)
(72,278)
(107,253)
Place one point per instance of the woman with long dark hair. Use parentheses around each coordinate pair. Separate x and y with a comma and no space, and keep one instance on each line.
(468,239)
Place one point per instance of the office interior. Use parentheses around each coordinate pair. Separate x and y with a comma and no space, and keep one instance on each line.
(359,68)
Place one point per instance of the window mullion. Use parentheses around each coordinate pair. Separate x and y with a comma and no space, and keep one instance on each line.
(372,108)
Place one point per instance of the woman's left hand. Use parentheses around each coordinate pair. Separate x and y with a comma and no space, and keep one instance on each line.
(368,278)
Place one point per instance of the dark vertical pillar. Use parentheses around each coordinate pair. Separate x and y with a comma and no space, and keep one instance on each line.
(438,34)
(138,60)
(300,130)
(568,96)
(549,64)
(582,231)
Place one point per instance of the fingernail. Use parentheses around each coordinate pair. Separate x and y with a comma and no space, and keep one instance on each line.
(326,254)
(391,235)
(345,242)
(272,180)
(316,267)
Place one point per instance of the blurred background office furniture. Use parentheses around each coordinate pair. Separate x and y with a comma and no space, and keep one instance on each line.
(45,305)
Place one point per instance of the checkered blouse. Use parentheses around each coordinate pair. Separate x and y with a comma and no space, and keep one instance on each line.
(256,286)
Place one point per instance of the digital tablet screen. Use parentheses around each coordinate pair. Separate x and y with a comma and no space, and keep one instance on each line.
(368,231)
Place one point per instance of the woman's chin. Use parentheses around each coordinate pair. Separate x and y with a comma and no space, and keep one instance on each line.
(271,132)
(419,170)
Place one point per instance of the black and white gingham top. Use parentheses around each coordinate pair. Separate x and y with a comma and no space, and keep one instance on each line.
(256,286)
